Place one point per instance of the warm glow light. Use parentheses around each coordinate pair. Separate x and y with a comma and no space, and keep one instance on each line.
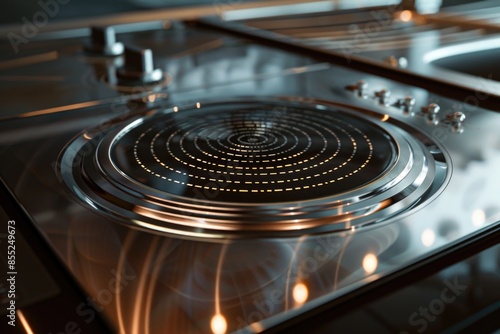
(29,60)
(218,324)
(478,217)
(198,105)
(405,15)
(300,293)
(385,118)
(256,327)
(151,98)
(60,109)
(176,109)
(167,24)
(370,263)
(428,237)
(24,322)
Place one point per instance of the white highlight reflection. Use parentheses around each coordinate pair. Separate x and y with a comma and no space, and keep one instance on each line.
(478,217)
(218,324)
(370,263)
(428,237)
(300,293)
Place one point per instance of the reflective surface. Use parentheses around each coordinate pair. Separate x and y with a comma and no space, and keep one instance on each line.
(461,298)
(251,167)
(475,58)
(146,282)
(393,37)
(251,152)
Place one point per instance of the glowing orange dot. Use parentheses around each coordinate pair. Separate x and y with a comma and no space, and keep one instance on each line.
(218,324)
(406,15)
(370,263)
(300,293)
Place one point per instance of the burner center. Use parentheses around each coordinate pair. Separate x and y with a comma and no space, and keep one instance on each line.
(252,139)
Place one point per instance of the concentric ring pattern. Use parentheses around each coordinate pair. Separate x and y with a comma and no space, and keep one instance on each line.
(254,155)
(249,167)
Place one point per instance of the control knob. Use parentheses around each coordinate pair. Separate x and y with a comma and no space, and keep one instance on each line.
(139,68)
(383,96)
(407,104)
(456,119)
(103,42)
(432,110)
(360,87)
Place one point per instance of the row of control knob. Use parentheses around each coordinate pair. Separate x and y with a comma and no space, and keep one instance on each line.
(430,112)
(138,68)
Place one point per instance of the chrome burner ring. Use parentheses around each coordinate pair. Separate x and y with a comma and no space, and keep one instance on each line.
(252,168)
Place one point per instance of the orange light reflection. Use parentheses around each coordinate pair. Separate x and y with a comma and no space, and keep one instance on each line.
(300,293)
(370,263)
(24,322)
(218,324)
(29,60)
(406,15)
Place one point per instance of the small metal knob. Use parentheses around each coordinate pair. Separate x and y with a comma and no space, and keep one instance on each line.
(407,104)
(456,119)
(383,96)
(139,68)
(432,109)
(360,87)
(103,42)
(409,101)
(394,61)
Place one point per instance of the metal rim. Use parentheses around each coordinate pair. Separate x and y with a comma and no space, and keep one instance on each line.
(411,180)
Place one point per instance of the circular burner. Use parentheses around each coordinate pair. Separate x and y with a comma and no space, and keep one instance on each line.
(246,168)
(251,154)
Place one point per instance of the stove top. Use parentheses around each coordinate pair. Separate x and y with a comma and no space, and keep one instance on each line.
(204,182)
(251,167)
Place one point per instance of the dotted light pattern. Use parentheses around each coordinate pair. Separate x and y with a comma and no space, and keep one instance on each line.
(255,152)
